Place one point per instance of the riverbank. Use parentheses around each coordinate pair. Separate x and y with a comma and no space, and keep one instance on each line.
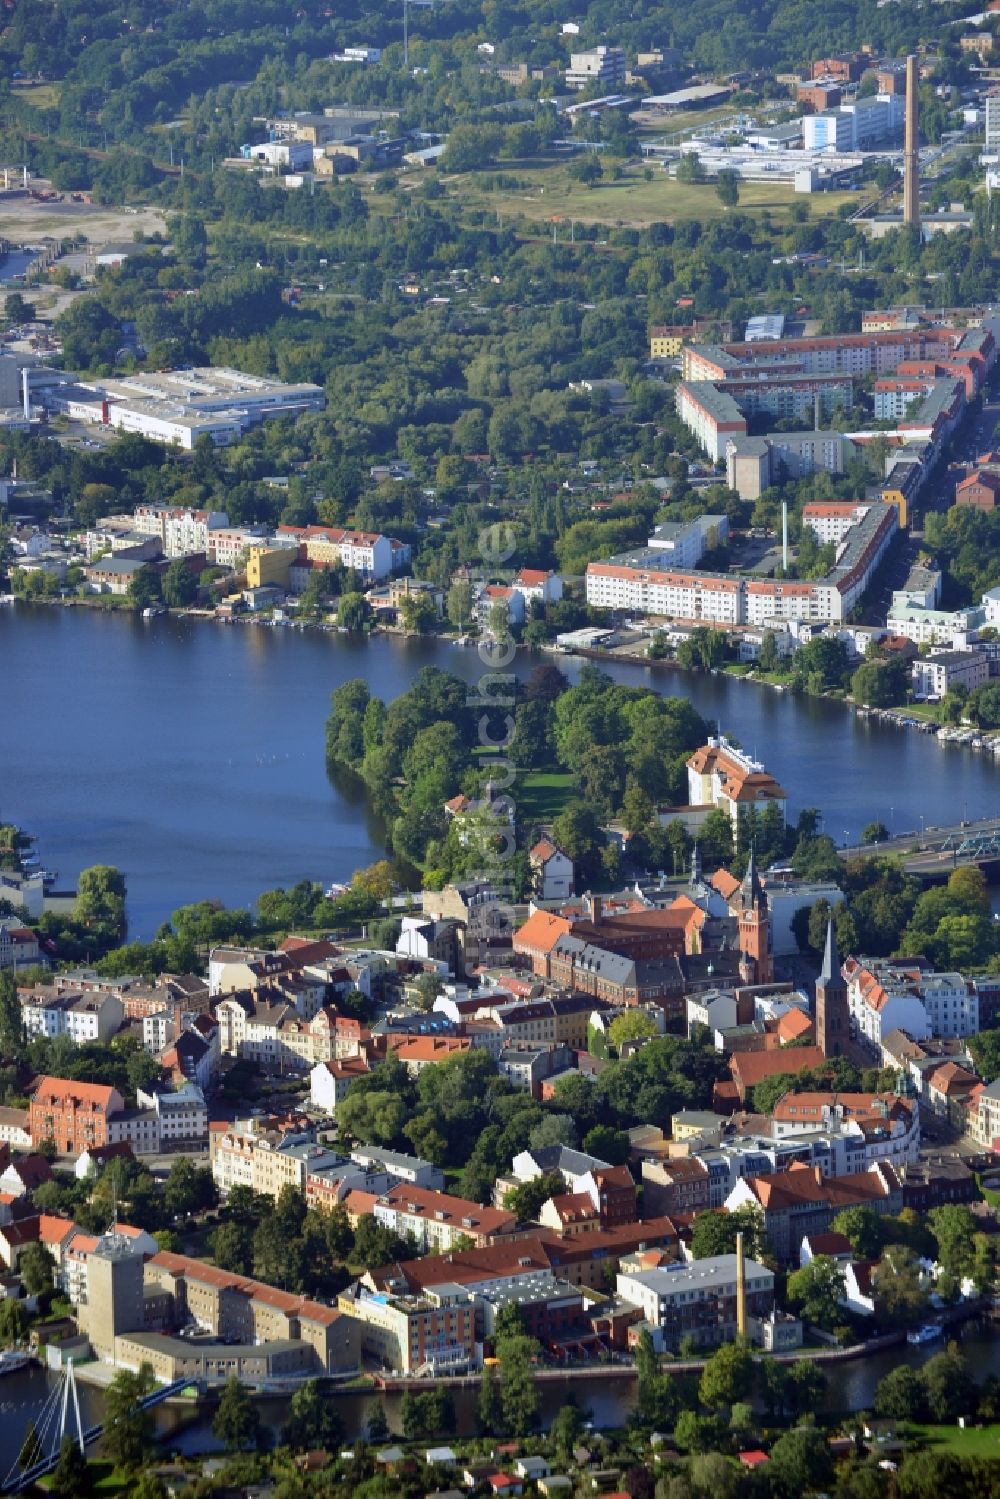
(246,804)
(911,716)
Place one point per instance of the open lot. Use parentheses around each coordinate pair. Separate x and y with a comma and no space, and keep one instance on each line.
(547,192)
(23,220)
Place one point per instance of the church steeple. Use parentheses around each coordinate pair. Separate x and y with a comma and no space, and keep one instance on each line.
(831,958)
(832,1010)
(753,890)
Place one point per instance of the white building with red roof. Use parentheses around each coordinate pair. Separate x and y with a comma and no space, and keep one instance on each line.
(533,583)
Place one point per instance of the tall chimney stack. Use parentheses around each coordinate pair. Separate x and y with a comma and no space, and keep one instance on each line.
(741,1289)
(911,148)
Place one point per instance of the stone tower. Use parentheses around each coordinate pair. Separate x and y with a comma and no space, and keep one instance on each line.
(754,922)
(833,1016)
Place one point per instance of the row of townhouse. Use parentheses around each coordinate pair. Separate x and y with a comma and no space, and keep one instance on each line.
(886,995)
(80,1116)
(368,553)
(802,1201)
(838,1135)
(637,583)
(437,1222)
(84,1017)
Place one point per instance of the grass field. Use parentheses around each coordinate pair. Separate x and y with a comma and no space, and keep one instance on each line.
(546,192)
(972,1442)
(41,95)
(542,795)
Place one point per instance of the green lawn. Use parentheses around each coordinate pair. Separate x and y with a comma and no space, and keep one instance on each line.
(972,1442)
(542,795)
(546,192)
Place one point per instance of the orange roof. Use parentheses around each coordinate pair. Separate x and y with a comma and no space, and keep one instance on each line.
(541,932)
(793,1024)
(751,1067)
(724,883)
(52,1230)
(439,1207)
(428,1048)
(543,850)
(573,1207)
(255,1290)
(66,1090)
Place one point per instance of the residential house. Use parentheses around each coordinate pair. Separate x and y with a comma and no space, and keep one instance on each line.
(437,1221)
(536,586)
(18,947)
(552,871)
(329,1082)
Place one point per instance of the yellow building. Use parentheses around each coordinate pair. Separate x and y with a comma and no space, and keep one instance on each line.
(269,565)
(893,496)
(666,343)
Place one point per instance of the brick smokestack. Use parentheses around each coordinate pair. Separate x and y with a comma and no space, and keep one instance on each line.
(911,150)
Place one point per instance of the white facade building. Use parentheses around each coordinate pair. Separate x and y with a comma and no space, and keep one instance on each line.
(935,675)
(91,1017)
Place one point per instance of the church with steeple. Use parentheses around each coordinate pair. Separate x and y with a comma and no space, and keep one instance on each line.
(754,925)
(832,1011)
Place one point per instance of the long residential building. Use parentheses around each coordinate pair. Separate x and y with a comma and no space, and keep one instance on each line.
(637,583)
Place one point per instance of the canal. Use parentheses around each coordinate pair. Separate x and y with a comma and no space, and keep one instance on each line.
(190,754)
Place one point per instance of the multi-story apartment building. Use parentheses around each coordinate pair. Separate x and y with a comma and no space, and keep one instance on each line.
(636,583)
(84,1018)
(939,673)
(885,996)
(75,1115)
(181,532)
(712,415)
(437,1221)
(265,1162)
(801,1201)
(373,556)
(601,68)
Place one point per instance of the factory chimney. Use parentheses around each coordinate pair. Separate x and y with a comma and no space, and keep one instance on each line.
(784,536)
(911,149)
(741,1289)
(25,394)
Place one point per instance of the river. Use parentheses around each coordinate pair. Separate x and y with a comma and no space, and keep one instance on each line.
(190,754)
(851,1387)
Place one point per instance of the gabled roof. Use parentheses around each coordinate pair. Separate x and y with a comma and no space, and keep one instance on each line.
(541,931)
(724,883)
(751,1067)
(61,1090)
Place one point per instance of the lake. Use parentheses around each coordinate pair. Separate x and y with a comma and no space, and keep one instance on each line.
(190,754)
